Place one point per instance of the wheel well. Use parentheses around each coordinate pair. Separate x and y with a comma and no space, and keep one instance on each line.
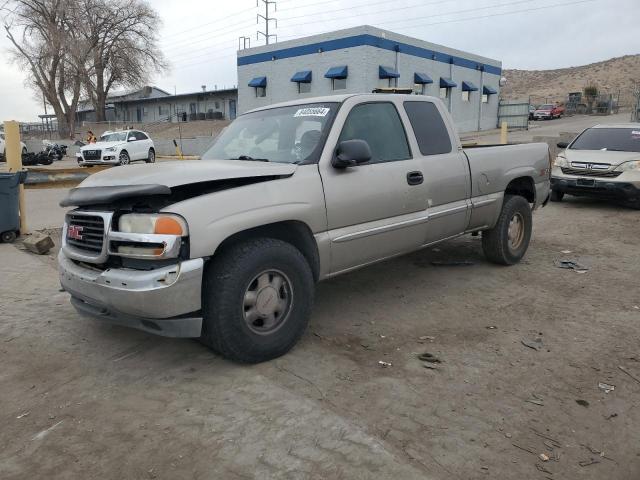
(151,149)
(294,232)
(522,186)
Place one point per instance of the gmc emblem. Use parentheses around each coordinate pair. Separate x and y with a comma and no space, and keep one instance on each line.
(75,232)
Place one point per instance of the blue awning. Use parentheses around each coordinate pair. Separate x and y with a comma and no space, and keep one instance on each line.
(447,83)
(258,82)
(337,72)
(387,72)
(302,77)
(469,87)
(488,90)
(421,78)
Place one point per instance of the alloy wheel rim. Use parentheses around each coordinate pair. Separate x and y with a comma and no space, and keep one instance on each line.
(267,302)
(124,158)
(516,231)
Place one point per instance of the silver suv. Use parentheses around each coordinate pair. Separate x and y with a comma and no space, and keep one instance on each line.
(603,161)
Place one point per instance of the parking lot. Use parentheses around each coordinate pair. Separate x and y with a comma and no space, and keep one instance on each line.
(79,395)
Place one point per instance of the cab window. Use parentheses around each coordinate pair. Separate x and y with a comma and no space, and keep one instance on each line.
(380,126)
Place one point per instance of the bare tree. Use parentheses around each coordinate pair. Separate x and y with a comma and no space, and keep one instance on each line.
(48,47)
(123,39)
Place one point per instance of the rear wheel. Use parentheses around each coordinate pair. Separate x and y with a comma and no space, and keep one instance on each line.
(123,158)
(556,196)
(8,237)
(507,242)
(257,300)
(151,158)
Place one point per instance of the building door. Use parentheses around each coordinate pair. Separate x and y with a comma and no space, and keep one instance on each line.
(139,114)
(232,109)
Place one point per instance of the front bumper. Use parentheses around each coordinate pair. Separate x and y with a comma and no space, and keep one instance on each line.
(165,301)
(600,188)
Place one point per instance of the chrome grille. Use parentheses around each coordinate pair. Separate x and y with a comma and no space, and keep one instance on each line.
(85,232)
(92,154)
(590,173)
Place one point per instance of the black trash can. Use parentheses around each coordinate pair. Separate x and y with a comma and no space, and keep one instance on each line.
(9,213)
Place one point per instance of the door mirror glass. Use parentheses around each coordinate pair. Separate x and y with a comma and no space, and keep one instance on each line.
(562,144)
(131,138)
(351,153)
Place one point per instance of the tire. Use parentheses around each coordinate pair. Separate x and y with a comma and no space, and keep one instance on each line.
(556,196)
(123,158)
(151,158)
(8,237)
(232,297)
(46,161)
(24,150)
(497,245)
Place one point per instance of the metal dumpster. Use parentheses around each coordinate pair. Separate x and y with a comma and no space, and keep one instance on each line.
(9,214)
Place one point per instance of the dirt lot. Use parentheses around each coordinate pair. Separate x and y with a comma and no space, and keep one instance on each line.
(85,400)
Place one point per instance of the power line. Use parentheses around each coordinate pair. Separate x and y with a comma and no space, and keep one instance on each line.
(230,29)
(208,24)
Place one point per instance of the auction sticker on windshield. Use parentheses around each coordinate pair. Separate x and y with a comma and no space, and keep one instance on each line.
(312,112)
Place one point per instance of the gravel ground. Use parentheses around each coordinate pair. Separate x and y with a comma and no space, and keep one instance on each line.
(85,400)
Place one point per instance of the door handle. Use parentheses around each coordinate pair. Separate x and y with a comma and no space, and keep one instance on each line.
(415,178)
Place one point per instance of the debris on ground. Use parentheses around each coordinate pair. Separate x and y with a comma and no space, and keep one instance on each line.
(605,387)
(429,357)
(535,399)
(384,364)
(566,252)
(543,469)
(582,403)
(430,366)
(623,369)
(38,243)
(544,457)
(586,463)
(609,417)
(525,449)
(535,344)
(427,337)
(571,265)
(22,415)
(490,327)
(452,263)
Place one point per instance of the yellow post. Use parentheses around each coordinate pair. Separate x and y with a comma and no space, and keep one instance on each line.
(503,133)
(14,162)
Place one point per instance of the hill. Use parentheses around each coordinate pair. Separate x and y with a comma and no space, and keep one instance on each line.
(615,75)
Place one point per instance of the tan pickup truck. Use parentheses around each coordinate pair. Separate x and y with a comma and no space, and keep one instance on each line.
(228,248)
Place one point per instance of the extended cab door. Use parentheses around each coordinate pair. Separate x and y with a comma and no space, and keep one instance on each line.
(374,210)
(445,169)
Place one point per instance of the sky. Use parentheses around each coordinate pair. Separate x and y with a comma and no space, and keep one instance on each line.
(200,37)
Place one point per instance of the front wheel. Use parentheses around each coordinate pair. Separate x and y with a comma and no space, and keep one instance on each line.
(124,159)
(257,300)
(8,237)
(556,196)
(507,242)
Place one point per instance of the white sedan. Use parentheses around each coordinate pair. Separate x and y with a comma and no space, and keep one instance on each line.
(118,148)
(3,148)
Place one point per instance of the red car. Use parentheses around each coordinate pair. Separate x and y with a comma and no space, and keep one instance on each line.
(548,111)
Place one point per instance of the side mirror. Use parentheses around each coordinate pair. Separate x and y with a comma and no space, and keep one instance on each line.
(131,139)
(562,144)
(351,153)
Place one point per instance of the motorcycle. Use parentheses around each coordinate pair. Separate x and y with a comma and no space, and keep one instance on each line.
(55,150)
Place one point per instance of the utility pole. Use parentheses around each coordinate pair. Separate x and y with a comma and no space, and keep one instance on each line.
(267,36)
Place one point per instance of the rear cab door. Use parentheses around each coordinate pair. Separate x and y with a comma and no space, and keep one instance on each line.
(444,166)
(378,209)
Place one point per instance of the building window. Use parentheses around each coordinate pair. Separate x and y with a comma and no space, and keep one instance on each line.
(393,82)
(444,92)
(145,112)
(163,110)
(261,91)
(465,96)
(217,104)
(304,87)
(338,83)
(419,89)
(485,98)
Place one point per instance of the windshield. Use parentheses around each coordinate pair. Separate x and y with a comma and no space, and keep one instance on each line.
(612,139)
(114,137)
(284,135)
(545,107)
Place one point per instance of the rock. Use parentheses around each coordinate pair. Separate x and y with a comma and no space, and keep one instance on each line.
(38,243)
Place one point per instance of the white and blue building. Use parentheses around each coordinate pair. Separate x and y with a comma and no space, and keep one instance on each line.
(361,59)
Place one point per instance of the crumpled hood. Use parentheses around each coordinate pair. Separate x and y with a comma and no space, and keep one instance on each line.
(600,156)
(184,172)
(100,145)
